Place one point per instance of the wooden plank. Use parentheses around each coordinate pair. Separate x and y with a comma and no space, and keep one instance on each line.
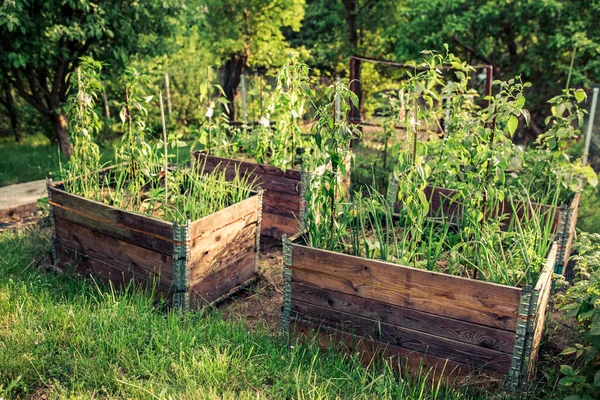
(370,350)
(132,220)
(109,274)
(441,294)
(141,230)
(268,177)
(283,204)
(140,261)
(235,246)
(205,227)
(545,277)
(116,231)
(539,326)
(403,337)
(276,226)
(224,279)
(479,335)
(220,242)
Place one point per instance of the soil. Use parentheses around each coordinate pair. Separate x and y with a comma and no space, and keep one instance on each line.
(260,303)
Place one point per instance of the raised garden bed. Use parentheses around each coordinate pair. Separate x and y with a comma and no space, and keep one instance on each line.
(282,205)
(443,204)
(476,324)
(283,201)
(195,264)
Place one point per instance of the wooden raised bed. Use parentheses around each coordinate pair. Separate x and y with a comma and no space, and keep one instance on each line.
(443,203)
(194,264)
(475,324)
(283,196)
(283,200)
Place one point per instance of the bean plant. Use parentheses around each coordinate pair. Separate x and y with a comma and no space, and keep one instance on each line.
(141,180)
(81,173)
(327,166)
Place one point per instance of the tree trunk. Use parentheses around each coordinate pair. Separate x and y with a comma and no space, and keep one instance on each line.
(356,88)
(351,7)
(8,102)
(14,124)
(60,126)
(232,71)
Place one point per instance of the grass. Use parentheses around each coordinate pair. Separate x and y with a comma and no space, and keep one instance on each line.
(65,337)
(36,158)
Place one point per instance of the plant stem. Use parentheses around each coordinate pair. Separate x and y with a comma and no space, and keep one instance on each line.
(164,129)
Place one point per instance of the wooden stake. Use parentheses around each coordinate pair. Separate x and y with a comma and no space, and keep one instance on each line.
(106,109)
(168,93)
(164,128)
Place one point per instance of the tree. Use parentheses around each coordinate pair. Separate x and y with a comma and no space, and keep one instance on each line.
(8,101)
(532,38)
(43,40)
(242,33)
(336,30)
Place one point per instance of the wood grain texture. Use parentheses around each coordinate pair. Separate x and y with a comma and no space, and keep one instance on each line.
(143,263)
(268,177)
(276,226)
(539,326)
(461,331)
(469,300)
(107,273)
(222,280)
(141,230)
(281,204)
(223,251)
(240,214)
(370,350)
(403,337)
(281,199)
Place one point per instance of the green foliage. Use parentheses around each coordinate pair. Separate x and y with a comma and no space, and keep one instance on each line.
(85,126)
(328,169)
(581,302)
(140,181)
(253,29)
(44,40)
(532,39)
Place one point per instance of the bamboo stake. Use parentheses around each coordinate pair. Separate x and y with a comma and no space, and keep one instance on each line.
(167,87)
(164,129)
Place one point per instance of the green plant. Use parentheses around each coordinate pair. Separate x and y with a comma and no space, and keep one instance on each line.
(81,174)
(141,179)
(581,303)
(327,166)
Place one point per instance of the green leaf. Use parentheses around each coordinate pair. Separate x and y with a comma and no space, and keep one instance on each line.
(513,123)
(567,370)
(580,95)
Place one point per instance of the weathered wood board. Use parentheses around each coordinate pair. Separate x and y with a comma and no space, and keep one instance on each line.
(196,264)
(282,198)
(472,323)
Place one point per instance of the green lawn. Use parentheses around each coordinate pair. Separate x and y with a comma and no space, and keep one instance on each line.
(35,159)
(64,337)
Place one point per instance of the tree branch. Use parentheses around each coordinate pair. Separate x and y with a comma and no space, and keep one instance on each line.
(471,50)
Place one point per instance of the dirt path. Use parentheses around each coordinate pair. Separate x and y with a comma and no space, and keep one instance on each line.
(18,203)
